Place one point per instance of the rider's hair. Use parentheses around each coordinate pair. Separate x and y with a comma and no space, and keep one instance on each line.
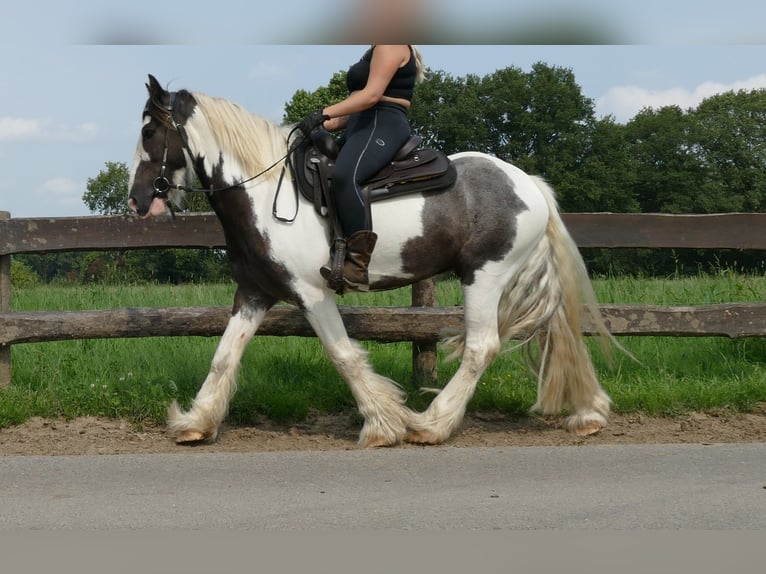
(421,70)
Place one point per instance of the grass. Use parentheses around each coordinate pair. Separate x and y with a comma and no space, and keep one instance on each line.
(286,378)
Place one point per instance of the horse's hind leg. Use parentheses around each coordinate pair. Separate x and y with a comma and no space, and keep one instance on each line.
(211,404)
(379,399)
(482,344)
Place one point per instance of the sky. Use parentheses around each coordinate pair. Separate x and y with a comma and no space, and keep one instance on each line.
(72,73)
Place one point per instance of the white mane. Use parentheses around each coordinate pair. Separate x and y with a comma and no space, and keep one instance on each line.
(255,142)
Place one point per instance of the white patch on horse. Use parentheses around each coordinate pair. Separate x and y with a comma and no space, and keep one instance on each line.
(395,221)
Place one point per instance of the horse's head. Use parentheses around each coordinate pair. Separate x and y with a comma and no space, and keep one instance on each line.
(160,164)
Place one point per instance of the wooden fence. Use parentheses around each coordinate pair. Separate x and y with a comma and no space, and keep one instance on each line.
(422,323)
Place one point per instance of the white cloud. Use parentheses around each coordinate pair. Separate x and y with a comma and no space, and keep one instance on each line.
(60,186)
(24,129)
(624,102)
(14,129)
(62,191)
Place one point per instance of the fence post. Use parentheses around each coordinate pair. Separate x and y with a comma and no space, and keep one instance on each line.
(5,306)
(424,367)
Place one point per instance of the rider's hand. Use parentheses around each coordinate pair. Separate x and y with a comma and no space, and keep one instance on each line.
(312,121)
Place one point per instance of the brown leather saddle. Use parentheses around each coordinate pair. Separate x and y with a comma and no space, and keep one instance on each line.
(414,169)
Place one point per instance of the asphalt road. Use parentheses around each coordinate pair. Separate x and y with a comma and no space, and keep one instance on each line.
(668,487)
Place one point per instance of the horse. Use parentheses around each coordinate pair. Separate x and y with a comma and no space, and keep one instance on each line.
(497,229)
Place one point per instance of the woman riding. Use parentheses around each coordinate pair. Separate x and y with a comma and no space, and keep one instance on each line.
(374,116)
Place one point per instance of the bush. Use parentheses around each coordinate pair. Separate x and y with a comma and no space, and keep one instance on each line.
(22,275)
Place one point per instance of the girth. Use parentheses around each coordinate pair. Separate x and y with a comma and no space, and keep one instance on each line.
(413,170)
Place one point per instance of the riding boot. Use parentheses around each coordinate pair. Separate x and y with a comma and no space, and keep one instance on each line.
(358,254)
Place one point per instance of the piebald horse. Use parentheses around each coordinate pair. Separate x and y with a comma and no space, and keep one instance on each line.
(496,228)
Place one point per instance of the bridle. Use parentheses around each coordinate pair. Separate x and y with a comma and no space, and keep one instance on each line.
(162,185)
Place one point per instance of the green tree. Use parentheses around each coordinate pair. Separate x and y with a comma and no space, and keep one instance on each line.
(557,119)
(670,176)
(304,102)
(506,103)
(538,120)
(447,113)
(22,275)
(107,193)
(728,133)
(606,171)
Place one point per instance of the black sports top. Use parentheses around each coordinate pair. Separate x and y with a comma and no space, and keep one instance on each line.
(402,85)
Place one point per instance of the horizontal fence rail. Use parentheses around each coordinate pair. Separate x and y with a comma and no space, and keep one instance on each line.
(422,324)
(381,324)
(611,230)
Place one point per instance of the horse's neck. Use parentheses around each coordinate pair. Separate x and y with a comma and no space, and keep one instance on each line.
(222,160)
(238,147)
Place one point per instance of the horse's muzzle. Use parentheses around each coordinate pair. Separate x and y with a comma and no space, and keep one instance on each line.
(155,208)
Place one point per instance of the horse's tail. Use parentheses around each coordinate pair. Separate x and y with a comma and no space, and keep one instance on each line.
(547,303)
(566,376)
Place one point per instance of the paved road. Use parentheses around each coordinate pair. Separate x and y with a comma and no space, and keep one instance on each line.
(594,487)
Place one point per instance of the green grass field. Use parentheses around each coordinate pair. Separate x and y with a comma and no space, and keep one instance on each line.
(285,378)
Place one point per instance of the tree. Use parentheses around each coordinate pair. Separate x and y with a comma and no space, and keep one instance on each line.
(447,113)
(670,177)
(538,120)
(303,102)
(108,192)
(606,171)
(728,132)
(550,124)
(506,104)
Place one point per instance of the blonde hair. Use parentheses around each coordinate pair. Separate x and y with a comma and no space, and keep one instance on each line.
(419,66)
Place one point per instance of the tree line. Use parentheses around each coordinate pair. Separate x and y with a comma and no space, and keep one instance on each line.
(707,159)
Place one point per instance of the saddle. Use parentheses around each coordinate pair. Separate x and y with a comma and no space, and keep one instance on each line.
(412,170)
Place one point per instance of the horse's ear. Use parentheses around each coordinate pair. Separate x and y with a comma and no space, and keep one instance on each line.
(154,87)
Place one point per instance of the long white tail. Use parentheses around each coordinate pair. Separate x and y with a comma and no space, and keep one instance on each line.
(566,376)
(546,303)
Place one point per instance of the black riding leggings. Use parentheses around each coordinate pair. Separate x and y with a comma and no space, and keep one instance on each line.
(371,141)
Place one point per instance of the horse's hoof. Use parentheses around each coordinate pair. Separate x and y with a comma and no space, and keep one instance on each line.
(423,437)
(376,440)
(190,436)
(588,429)
(378,443)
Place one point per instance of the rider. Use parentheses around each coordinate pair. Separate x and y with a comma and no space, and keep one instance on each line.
(374,116)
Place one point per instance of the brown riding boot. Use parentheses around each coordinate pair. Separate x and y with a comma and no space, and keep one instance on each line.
(358,254)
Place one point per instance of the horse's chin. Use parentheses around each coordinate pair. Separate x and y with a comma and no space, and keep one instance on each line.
(158,208)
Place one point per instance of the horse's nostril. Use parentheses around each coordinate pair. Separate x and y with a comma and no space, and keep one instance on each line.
(134,207)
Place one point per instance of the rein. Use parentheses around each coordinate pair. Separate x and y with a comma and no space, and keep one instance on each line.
(162,184)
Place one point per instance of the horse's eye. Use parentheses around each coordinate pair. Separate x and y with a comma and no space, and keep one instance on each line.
(147,132)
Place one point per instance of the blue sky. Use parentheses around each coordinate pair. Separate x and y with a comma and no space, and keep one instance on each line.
(72,73)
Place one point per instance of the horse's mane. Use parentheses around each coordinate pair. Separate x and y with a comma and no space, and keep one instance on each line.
(254,141)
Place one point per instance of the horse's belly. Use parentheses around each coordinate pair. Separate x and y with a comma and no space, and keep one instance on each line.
(396,221)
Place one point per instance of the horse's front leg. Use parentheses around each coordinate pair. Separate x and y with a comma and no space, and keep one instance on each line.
(379,399)
(210,406)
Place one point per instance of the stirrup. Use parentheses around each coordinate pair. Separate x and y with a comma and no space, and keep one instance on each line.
(363,287)
(334,274)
